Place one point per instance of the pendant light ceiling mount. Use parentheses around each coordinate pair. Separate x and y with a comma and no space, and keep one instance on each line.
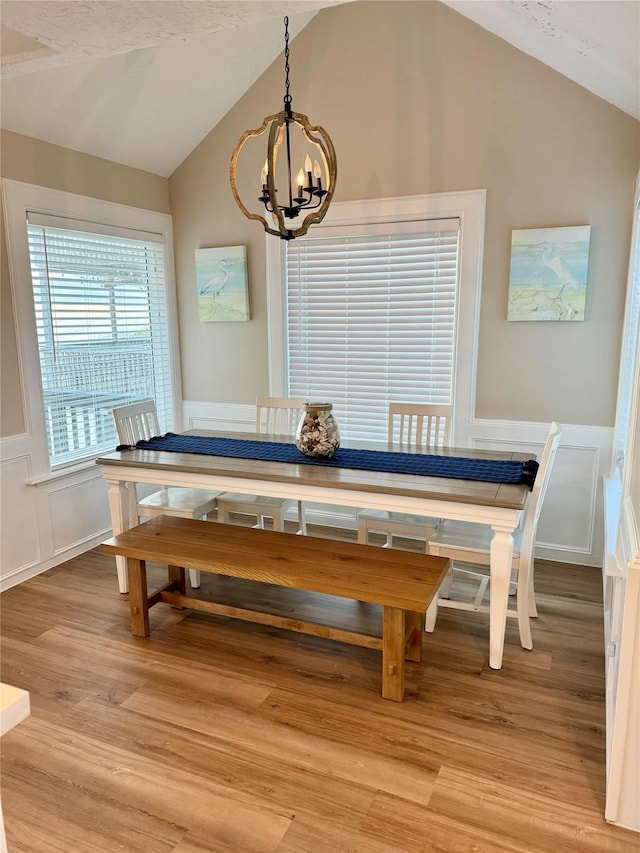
(304,198)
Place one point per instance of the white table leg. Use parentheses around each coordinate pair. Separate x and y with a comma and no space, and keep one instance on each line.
(501,560)
(119,507)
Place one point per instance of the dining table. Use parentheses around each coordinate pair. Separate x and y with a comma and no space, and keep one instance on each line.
(291,475)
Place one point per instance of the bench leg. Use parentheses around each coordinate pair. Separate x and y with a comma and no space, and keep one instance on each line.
(393,650)
(138,604)
(177,574)
(413,633)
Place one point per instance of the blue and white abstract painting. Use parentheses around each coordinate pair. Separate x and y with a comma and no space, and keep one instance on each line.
(548,276)
(221,281)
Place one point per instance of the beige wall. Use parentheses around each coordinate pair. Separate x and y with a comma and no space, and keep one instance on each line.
(417,99)
(34,162)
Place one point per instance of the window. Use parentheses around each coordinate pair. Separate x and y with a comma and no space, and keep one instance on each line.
(97,327)
(628,354)
(371,319)
(372,309)
(101,323)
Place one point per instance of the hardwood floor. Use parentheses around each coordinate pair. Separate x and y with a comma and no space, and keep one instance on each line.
(217,735)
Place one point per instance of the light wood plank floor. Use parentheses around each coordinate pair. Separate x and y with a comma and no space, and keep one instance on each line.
(216,735)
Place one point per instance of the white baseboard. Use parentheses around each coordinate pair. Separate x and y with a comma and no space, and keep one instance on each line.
(17,576)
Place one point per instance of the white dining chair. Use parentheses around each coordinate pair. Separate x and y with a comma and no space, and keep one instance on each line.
(469,543)
(275,416)
(410,427)
(139,422)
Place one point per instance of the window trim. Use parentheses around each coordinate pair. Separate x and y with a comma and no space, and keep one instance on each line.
(470,207)
(20,198)
(629,371)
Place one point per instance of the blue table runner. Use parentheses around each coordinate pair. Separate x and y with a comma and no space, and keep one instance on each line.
(422,464)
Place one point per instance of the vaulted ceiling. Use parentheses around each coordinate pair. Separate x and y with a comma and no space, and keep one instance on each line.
(142,82)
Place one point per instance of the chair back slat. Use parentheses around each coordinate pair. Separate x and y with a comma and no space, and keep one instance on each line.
(136,422)
(419,425)
(536,498)
(278,415)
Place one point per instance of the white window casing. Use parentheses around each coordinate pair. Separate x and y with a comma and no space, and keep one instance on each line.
(399,281)
(627,387)
(100,314)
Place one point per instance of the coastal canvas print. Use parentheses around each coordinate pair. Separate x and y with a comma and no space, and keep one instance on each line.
(548,276)
(221,281)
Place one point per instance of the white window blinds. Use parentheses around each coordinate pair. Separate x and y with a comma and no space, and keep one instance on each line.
(371,318)
(101,316)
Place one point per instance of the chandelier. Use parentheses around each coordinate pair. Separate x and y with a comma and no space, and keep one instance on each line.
(291,202)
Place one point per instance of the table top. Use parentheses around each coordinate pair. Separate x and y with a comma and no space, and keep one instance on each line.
(441,488)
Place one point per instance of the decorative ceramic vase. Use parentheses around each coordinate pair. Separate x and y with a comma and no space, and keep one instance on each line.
(317,433)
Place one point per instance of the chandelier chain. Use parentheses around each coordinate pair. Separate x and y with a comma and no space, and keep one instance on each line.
(287,97)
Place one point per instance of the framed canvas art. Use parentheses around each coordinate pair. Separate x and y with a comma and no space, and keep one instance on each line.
(548,275)
(222,285)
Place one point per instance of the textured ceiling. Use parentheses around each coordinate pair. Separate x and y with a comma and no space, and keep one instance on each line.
(139,82)
(142,82)
(596,43)
(39,34)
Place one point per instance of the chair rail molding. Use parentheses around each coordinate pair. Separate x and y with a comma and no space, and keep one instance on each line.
(47,521)
(232,417)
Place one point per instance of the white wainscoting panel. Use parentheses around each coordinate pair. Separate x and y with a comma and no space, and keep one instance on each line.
(53,521)
(571,527)
(19,539)
(230,417)
(76,507)
(45,524)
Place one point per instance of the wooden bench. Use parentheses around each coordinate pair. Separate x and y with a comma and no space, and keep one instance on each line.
(403,583)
